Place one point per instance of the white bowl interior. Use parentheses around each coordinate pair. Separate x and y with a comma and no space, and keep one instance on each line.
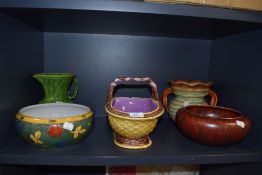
(54,110)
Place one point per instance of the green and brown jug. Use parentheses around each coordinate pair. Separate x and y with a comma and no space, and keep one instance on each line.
(187,92)
(56,87)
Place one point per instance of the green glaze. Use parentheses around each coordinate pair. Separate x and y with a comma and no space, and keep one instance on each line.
(187,92)
(56,87)
(46,140)
(184,98)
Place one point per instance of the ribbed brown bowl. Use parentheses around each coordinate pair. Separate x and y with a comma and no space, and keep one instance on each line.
(212,125)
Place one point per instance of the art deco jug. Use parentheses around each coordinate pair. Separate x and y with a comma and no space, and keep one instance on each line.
(187,92)
(56,87)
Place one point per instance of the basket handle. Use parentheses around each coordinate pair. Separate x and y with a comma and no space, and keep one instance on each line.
(133,81)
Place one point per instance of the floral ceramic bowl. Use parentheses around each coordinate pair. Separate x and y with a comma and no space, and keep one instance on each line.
(54,125)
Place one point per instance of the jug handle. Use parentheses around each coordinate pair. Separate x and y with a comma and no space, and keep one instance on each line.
(75,90)
(166,92)
(213,101)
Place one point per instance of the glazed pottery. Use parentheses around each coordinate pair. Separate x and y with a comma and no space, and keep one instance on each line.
(211,125)
(54,125)
(133,119)
(56,87)
(187,92)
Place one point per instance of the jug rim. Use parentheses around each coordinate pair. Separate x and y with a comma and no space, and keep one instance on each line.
(192,85)
(53,74)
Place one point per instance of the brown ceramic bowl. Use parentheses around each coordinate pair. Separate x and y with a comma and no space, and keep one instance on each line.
(212,125)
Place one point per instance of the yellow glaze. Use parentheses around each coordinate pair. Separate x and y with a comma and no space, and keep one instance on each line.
(78,131)
(36,120)
(36,137)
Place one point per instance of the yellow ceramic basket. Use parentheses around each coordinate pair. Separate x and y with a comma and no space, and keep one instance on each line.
(133,119)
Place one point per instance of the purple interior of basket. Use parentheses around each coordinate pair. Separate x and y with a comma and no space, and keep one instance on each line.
(133,104)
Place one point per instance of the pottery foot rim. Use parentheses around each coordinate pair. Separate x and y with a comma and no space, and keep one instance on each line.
(123,145)
(139,143)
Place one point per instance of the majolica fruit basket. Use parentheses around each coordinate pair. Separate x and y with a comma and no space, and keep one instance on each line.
(54,125)
(133,118)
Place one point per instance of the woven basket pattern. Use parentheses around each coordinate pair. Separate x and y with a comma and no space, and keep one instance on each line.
(132,128)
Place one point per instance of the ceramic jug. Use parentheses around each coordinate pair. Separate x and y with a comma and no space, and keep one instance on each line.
(187,92)
(56,87)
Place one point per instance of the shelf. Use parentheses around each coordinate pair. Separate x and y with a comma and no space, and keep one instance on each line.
(137,7)
(169,147)
(132,18)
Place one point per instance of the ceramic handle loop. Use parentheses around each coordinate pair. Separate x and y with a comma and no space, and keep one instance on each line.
(73,96)
(133,81)
(166,92)
(213,101)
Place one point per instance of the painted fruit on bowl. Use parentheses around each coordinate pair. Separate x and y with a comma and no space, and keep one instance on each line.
(212,125)
(54,125)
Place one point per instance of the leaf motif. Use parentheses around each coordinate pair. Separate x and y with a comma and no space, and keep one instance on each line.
(32,137)
(78,128)
(37,134)
(82,131)
(77,131)
(36,137)
(75,135)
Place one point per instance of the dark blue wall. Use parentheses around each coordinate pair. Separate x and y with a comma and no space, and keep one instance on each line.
(98,59)
(21,55)
(236,70)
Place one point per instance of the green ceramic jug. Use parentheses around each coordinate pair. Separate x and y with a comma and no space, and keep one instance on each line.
(56,87)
